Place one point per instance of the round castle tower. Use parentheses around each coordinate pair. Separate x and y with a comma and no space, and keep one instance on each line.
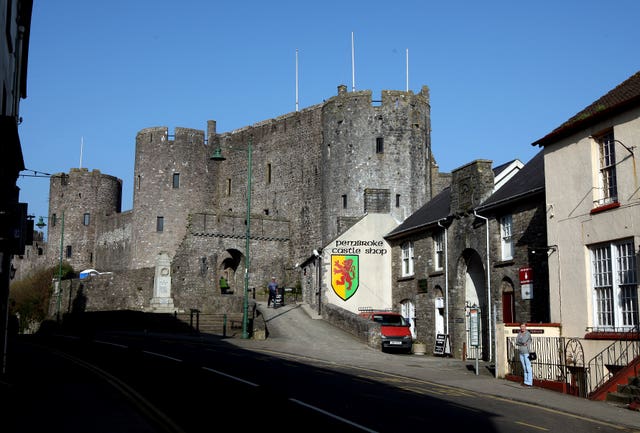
(377,156)
(78,201)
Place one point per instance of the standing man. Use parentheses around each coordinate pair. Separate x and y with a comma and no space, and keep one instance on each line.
(523,342)
(273,289)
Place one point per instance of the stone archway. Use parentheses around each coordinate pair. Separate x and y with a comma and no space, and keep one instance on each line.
(231,267)
(472,273)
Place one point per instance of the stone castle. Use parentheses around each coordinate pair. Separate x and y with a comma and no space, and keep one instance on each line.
(314,173)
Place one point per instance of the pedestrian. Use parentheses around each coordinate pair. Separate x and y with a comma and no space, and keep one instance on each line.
(273,289)
(523,343)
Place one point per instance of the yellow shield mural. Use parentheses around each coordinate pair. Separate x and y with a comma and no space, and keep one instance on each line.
(344,275)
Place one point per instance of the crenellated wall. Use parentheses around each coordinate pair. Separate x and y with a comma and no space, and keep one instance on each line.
(302,164)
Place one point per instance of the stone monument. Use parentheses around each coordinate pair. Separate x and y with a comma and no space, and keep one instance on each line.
(162,302)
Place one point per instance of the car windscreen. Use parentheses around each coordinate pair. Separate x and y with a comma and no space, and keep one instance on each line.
(390,320)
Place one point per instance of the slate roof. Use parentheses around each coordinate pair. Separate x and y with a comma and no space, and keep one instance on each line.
(621,98)
(529,180)
(433,211)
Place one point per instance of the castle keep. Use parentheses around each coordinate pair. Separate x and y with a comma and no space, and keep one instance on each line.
(314,173)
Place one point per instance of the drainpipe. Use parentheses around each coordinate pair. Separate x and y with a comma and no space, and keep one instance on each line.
(446,275)
(486,221)
(318,255)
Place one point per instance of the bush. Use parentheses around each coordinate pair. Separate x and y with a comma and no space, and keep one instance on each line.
(30,297)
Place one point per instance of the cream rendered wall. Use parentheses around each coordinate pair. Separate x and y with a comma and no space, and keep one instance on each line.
(374,289)
(571,182)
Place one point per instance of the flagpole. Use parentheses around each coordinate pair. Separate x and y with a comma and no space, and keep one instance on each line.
(297,80)
(81,146)
(353,66)
(407,69)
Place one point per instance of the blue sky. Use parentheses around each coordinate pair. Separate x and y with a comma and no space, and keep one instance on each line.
(502,74)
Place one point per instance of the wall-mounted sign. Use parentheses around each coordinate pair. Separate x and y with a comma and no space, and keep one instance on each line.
(344,275)
(526,283)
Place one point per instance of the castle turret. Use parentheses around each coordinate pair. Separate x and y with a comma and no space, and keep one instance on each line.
(77,202)
(171,180)
(373,146)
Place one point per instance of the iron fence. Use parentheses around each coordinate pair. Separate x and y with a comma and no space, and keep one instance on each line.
(561,361)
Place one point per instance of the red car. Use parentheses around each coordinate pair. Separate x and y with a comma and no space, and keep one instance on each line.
(395,331)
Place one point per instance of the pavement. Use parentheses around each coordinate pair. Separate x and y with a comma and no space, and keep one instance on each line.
(300,331)
(27,393)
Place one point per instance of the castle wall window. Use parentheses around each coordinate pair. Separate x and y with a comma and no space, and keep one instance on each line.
(54,220)
(138,181)
(159,224)
(228,191)
(379,144)
(397,200)
(176,180)
(407,259)
(344,201)
(86,219)
(68,252)
(268,173)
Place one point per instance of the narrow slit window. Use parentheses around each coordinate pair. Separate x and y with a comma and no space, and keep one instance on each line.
(379,145)
(176,180)
(344,201)
(86,219)
(159,224)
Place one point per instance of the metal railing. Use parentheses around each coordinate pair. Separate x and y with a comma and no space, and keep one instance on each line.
(613,358)
(561,360)
(550,363)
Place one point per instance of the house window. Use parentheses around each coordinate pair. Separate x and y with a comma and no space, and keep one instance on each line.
(379,145)
(344,201)
(68,251)
(176,180)
(608,187)
(407,259)
(615,285)
(86,218)
(159,224)
(438,250)
(506,238)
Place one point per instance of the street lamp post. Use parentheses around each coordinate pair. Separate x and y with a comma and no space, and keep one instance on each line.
(217,156)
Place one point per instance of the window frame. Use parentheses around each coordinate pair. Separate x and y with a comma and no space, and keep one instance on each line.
(607,187)
(176,181)
(438,250)
(614,285)
(159,224)
(506,237)
(407,259)
(86,219)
